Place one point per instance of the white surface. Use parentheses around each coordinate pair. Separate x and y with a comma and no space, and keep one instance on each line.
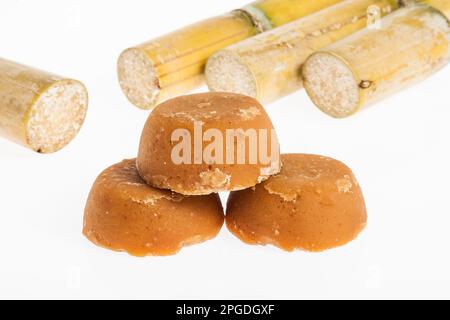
(398,149)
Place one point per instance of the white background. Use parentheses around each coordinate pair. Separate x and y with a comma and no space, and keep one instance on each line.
(398,149)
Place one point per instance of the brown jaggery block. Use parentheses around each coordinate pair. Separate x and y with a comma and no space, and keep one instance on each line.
(231,164)
(125,214)
(39,110)
(313,204)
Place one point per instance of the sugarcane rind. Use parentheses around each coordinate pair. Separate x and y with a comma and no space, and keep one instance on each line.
(443,6)
(247,16)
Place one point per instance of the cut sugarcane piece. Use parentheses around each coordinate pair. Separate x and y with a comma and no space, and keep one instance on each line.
(413,43)
(268,65)
(39,110)
(174,64)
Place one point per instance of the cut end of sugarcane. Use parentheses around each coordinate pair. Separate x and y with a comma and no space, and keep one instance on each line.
(225,72)
(56,116)
(138,78)
(331,84)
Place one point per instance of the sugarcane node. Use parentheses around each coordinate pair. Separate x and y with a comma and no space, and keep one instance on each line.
(157,84)
(365,84)
(250,17)
(404,3)
(39,110)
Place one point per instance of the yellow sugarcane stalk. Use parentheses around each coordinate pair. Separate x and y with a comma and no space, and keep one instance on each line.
(412,44)
(39,110)
(275,13)
(174,64)
(268,65)
(442,5)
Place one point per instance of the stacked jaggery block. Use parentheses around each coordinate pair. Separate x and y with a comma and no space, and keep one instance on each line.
(315,203)
(39,110)
(123,213)
(174,64)
(195,146)
(167,198)
(171,153)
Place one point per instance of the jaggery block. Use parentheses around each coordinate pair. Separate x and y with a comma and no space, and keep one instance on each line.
(39,110)
(124,214)
(206,143)
(313,204)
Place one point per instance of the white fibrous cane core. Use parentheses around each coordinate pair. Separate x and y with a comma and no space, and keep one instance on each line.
(138,78)
(226,73)
(56,116)
(331,84)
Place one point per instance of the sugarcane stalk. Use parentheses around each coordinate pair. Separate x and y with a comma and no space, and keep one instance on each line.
(274,13)
(443,6)
(413,43)
(39,110)
(267,66)
(174,64)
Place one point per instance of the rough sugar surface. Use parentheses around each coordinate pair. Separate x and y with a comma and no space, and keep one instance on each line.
(313,204)
(125,214)
(217,111)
